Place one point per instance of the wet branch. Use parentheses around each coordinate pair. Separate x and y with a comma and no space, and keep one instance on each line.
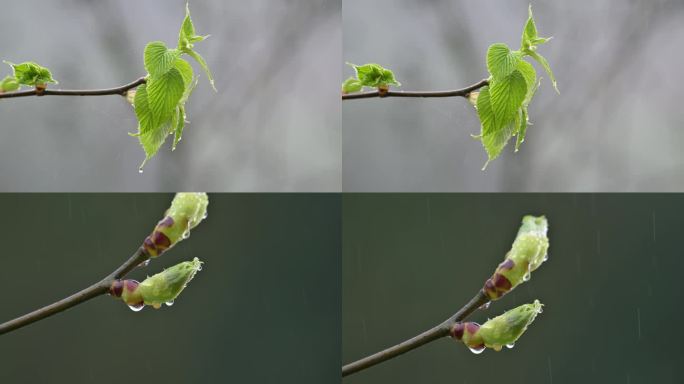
(63,92)
(437,332)
(95,290)
(464,92)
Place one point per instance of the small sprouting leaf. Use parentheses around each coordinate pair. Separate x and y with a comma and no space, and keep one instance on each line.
(159,59)
(164,94)
(374,76)
(507,95)
(187,36)
(8,84)
(31,74)
(351,85)
(530,38)
(501,61)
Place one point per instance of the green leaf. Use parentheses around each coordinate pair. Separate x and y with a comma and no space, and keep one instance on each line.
(542,61)
(188,75)
(159,59)
(530,38)
(501,61)
(203,64)
(8,84)
(164,94)
(374,76)
(153,139)
(351,85)
(494,136)
(507,95)
(31,74)
(180,123)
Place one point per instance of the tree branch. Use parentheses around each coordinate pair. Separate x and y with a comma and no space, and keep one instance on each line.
(62,92)
(437,332)
(82,296)
(464,92)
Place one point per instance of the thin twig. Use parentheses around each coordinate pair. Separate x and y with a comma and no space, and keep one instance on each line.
(464,92)
(95,290)
(63,92)
(437,332)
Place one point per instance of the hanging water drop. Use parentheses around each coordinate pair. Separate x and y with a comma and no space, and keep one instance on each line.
(510,346)
(169,303)
(546,257)
(526,277)
(144,263)
(485,305)
(477,350)
(140,170)
(186,234)
(136,307)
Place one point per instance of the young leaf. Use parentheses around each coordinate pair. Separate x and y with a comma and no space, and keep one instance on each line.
(522,127)
(8,84)
(153,139)
(188,75)
(494,136)
(159,59)
(374,76)
(31,74)
(501,61)
(530,75)
(146,121)
(164,94)
(506,96)
(351,85)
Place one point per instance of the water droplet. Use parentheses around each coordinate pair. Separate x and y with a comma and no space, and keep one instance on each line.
(485,305)
(186,234)
(156,306)
(477,350)
(527,276)
(546,257)
(510,346)
(169,303)
(144,263)
(497,347)
(205,215)
(140,170)
(137,307)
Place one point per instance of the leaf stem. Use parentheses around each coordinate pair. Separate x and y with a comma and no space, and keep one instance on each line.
(64,92)
(95,290)
(432,334)
(464,92)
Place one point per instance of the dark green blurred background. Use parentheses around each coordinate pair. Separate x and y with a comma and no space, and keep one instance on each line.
(611,286)
(265,308)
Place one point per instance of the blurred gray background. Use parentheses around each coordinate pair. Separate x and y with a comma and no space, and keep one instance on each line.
(264,309)
(273,125)
(611,287)
(616,126)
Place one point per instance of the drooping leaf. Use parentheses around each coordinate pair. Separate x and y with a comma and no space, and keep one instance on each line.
(159,59)
(501,61)
(164,94)
(542,61)
(188,75)
(31,74)
(351,85)
(522,128)
(506,96)
(494,135)
(200,60)
(530,76)
(153,139)
(8,84)
(180,124)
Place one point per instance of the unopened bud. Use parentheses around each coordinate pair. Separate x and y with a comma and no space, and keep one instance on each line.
(186,211)
(528,252)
